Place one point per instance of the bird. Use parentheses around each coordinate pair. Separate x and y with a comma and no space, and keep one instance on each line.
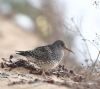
(46,57)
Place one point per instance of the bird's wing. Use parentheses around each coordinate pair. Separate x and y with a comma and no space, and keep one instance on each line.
(40,53)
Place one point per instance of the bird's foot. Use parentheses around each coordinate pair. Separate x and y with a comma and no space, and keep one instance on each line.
(45,76)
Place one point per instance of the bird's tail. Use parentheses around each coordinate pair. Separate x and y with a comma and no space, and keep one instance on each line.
(23,53)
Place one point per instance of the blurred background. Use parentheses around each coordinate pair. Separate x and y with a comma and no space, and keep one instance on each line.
(26,24)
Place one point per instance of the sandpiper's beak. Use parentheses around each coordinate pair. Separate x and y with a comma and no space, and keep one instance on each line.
(68,50)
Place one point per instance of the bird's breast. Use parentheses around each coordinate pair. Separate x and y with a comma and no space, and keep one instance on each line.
(58,55)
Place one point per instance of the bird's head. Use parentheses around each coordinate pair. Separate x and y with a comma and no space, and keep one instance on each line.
(60,44)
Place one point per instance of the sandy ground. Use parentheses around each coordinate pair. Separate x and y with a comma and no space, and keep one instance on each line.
(13,38)
(39,85)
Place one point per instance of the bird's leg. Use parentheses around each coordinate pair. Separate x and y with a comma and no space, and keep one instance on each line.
(43,74)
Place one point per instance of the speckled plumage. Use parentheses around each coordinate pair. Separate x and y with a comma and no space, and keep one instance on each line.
(46,57)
